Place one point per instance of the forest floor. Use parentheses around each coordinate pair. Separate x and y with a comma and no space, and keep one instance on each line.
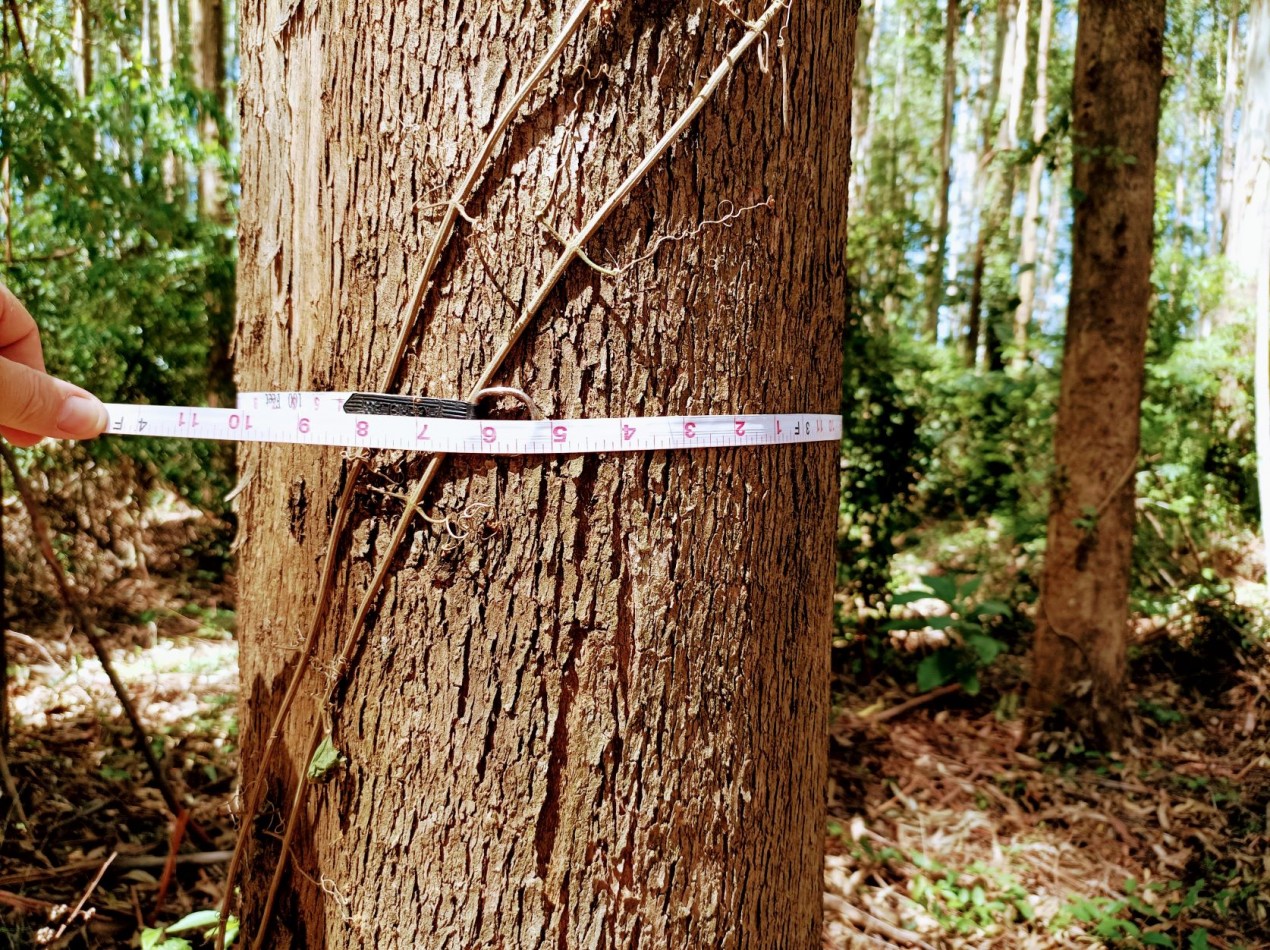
(949,827)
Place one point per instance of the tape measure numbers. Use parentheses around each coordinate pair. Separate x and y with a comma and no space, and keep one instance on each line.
(372,420)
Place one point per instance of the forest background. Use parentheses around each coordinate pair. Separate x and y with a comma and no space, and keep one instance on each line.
(118,156)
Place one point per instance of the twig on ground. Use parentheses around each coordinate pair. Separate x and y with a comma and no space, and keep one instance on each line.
(92,886)
(862,918)
(567,257)
(24,904)
(83,621)
(911,704)
(125,862)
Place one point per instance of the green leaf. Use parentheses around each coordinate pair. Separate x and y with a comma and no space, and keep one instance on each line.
(1155,939)
(195,921)
(326,758)
(942,586)
(153,938)
(986,648)
(910,597)
(936,670)
(991,608)
(970,586)
(1198,940)
(907,623)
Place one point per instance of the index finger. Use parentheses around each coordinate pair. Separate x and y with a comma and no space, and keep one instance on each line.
(19,336)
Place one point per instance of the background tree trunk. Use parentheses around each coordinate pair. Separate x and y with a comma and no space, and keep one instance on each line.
(1085,588)
(1028,262)
(939,242)
(1248,236)
(600,719)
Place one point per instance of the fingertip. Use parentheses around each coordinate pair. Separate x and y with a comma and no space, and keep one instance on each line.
(82,417)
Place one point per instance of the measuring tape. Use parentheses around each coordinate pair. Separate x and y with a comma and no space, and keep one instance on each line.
(378,421)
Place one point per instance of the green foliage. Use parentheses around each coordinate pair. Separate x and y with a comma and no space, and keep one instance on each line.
(1154,915)
(883,453)
(160,938)
(966,624)
(131,284)
(979,900)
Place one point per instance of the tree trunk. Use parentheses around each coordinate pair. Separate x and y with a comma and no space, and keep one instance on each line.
(599,717)
(1230,101)
(1248,236)
(1032,209)
(82,48)
(861,102)
(207,33)
(1085,589)
(938,251)
(983,181)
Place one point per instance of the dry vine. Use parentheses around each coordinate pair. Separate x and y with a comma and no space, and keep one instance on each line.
(756,29)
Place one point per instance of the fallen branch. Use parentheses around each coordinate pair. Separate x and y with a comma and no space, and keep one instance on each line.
(24,904)
(125,862)
(909,705)
(88,891)
(876,925)
(84,623)
(755,30)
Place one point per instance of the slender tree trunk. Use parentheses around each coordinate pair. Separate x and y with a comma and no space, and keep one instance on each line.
(82,48)
(207,32)
(938,251)
(983,181)
(1049,253)
(1085,589)
(1248,234)
(1032,209)
(167,46)
(861,102)
(598,719)
(1230,102)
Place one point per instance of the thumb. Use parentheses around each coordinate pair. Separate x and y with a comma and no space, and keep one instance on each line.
(34,405)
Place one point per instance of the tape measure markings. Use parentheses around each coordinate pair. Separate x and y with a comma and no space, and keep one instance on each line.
(321,423)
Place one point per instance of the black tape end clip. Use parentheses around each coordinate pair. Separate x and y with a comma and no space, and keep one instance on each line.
(420,407)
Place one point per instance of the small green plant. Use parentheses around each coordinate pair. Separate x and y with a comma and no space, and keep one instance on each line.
(1156,915)
(971,649)
(978,900)
(160,938)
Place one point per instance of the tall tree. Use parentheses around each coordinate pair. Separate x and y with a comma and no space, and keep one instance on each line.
(1230,102)
(1247,236)
(595,713)
(938,252)
(1028,262)
(1083,608)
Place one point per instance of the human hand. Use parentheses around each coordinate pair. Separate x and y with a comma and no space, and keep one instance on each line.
(34,405)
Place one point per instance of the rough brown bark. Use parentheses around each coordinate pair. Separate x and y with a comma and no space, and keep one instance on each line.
(599,719)
(1084,601)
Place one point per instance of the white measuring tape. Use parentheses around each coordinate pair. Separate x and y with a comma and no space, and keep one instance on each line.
(310,418)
